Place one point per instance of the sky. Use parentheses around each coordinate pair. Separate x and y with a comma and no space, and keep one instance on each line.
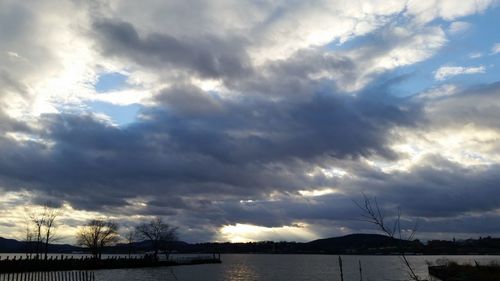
(251,120)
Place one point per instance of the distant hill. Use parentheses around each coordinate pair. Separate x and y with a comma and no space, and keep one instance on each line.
(349,244)
(14,246)
(11,245)
(361,243)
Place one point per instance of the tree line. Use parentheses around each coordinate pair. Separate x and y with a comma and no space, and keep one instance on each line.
(95,235)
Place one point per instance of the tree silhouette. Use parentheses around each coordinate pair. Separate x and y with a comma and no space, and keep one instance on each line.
(40,229)
(97,234)
(158,233)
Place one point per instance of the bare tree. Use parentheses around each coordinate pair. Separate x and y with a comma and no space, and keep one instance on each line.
(97,234)
(37,220)
(158,233)
(42,230)
(130,237)
(373,214)
(49,215)
(28,239)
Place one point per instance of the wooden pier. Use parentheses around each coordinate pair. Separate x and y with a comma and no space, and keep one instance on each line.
(49,276)
(84,264)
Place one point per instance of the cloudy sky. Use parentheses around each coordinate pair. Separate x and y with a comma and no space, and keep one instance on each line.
(251,120)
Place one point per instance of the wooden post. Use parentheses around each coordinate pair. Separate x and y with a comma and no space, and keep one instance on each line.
(341,269)
(360,271)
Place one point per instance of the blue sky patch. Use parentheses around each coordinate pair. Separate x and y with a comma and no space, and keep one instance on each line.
(121,115)
(110,81)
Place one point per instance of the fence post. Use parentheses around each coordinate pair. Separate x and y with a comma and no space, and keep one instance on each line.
(341,269)
(360,271)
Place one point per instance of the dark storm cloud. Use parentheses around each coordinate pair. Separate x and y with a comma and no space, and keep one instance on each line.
(440,188)
(258,129)
(207,56)
(243,149)
(186,99)
(477,106)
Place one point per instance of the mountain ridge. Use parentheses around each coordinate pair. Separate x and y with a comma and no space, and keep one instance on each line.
(358,243)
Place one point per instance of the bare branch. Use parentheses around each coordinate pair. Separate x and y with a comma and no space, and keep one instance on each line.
(372,213)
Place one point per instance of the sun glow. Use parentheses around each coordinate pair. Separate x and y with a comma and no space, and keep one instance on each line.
(317,192)
(247,232)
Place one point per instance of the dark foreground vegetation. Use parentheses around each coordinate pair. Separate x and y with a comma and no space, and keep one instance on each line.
(455,272)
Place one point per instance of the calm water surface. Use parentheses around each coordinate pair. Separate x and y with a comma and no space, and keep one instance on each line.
(248,267)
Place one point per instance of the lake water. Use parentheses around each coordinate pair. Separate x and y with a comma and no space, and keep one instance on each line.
(249,267)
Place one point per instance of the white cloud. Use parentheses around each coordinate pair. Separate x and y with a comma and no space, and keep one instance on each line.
(475,55)
(445,72)
(47,56)
(276,29)
(401,47)
(426,11)
(495,49)
(458,27)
